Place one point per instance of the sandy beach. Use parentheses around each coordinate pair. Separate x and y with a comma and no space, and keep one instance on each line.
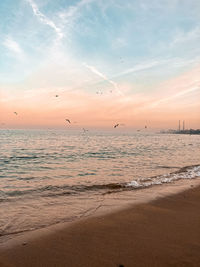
(164,232)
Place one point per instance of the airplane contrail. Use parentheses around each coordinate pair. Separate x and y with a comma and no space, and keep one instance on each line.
(103,76)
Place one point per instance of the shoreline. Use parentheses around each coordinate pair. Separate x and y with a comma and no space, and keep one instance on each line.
(112,202)
(170,214)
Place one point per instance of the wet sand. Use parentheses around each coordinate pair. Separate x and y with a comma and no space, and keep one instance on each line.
(164,232)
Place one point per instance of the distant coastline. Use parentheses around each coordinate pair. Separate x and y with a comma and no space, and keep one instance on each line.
(188,131)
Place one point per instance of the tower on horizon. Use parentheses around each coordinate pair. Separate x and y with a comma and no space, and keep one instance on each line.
(179,125)
(183,125)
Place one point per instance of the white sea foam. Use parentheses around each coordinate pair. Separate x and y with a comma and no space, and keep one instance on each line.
(184,173)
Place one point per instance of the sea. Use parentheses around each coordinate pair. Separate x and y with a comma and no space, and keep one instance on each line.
(53,176)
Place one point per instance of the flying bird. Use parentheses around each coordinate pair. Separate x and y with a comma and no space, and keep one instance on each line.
(121,60)
(68,120)
(99,92)
(56,95)
(15,113)
(116,125)
(85,130)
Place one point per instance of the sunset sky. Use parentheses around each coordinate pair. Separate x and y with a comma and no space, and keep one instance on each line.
(135,62)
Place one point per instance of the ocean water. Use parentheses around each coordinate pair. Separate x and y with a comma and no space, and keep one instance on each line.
(53,176)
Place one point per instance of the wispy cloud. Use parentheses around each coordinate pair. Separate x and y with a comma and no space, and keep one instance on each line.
(172,93)
(70,13)
(45,20)
(141,67)
(178,87)
(184,37)
(12,45)
(172,62)
(104,77)
(179,94)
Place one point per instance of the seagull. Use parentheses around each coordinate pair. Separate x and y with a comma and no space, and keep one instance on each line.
(68,120)
(99,92)
(116,125)
(15,113)
(121,60)
(56,95)
(85,130)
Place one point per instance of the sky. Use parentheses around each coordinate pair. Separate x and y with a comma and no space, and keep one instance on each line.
(133,62)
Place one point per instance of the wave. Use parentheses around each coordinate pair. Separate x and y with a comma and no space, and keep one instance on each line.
(188,172)
(61,190)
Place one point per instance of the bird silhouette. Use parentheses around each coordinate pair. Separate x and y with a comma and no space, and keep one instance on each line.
(116,125)
(85,130)
(99,93)
(15,113)
(121,60)
(68,120)
(56,95)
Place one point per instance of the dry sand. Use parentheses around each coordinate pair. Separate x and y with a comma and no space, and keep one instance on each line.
(164,232)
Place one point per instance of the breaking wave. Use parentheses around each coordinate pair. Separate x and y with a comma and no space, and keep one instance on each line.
(188,172)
